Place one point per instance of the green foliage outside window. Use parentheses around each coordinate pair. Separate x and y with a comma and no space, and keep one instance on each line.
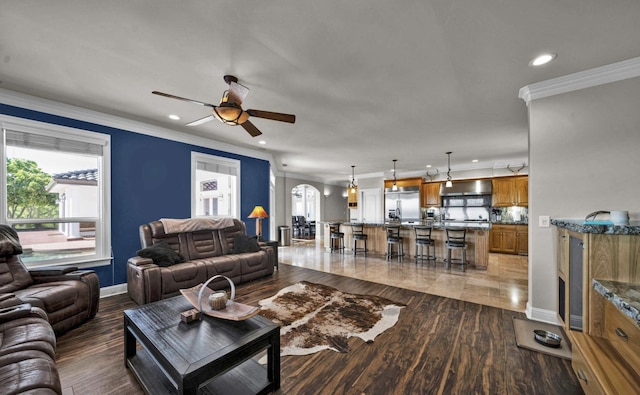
(26,191)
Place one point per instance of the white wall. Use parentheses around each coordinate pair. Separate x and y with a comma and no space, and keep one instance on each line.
(584,155)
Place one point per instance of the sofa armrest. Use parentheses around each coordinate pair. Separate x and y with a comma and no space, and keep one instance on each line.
(140,261)
(46,276)
(143,280)
(14,312)
(88,279)
(52,270)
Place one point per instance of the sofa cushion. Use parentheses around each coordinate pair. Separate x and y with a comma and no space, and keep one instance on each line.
(245,243)
(162,254)
(29,371)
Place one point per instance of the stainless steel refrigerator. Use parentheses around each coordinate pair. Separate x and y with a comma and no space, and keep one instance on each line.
(403,204)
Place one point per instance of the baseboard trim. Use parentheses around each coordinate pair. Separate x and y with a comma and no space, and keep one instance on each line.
(113,290)
(548,316)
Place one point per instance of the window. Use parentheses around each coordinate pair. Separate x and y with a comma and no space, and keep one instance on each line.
(215,186)
(55,184)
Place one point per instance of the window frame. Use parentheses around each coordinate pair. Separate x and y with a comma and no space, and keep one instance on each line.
(103,251)
(214,160)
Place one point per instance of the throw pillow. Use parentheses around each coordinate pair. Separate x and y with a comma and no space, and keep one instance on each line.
(162,254)
(245,243)
(9,242)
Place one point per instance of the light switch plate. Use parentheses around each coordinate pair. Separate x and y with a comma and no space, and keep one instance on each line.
(543,221)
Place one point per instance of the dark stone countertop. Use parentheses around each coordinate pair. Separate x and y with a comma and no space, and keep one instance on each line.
(578,225)
(625,296)
(440,225)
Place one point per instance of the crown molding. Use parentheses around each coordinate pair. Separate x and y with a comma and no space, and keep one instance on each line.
(22,100)
(584,79)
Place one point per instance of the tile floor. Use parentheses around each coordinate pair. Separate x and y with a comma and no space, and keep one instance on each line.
(503,284)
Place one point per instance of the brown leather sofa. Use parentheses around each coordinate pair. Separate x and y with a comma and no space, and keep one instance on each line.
(207,247)
(68,296)
(27,349)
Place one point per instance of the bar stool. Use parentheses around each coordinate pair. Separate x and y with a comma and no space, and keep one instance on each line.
(393,237)
(357,230)
(423,239)
(337,238)
(456,240)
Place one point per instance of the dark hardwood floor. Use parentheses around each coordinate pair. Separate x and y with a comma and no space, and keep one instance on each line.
(438,346)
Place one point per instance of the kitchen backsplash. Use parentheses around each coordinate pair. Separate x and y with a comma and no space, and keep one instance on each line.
(510,214)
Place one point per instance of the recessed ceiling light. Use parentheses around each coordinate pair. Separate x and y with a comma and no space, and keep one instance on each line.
(174,117)
(475,161)
(543,59)
(262,142)
(428,165)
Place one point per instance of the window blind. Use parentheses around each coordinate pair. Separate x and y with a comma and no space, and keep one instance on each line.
(50,143)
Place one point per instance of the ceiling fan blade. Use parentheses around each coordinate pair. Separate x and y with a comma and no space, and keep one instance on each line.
(275,116)
(237,92)
(249,127)
(182,98)
(201,120)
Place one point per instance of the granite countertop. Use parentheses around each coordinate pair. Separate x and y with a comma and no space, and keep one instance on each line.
(471,225)
(509,222)
(578,225)
(625,296)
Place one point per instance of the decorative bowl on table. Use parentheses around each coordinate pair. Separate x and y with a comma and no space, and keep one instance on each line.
(200,295)
(547,338)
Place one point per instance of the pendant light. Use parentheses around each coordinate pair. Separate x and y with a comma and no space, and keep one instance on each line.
(395,187)
(449,184)
(352,184)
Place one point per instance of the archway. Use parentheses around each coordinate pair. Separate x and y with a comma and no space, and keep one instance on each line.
(305,206)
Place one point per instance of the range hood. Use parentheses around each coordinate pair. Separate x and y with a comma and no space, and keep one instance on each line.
(467,188)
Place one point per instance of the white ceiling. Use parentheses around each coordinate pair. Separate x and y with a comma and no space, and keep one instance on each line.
(369,81)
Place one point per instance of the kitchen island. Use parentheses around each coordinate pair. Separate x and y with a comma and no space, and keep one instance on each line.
(477,239)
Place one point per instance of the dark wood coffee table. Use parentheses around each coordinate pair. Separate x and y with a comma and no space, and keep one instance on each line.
(212,356)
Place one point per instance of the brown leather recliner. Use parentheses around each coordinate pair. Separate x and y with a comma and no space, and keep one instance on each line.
(27,349)
(68,296)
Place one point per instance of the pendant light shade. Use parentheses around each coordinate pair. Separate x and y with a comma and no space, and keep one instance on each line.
(352,184)
(449,184)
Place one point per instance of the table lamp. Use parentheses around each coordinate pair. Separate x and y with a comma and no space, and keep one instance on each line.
(258,213)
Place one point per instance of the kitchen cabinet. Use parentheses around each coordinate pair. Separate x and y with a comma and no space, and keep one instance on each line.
(522,239)
(404,182)
(502,238)
(430,194)
(522,190)
(510,191)
(605,343)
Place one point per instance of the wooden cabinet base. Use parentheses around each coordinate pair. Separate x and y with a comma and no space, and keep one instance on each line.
(599,368)
(477,243)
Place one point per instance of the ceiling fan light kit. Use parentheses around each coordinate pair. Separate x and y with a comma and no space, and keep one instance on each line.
(230,112)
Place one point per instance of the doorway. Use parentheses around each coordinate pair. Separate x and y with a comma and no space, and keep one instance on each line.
(305,205)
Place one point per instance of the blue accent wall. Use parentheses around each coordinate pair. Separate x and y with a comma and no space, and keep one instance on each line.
(151,179)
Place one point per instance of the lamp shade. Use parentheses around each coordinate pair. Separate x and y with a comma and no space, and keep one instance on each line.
(258,212)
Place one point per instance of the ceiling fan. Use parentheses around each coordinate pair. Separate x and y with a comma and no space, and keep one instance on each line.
(230,112)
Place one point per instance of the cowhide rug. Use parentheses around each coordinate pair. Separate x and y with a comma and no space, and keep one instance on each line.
(316,317)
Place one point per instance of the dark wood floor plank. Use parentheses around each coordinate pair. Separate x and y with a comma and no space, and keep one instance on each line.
(439,345)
